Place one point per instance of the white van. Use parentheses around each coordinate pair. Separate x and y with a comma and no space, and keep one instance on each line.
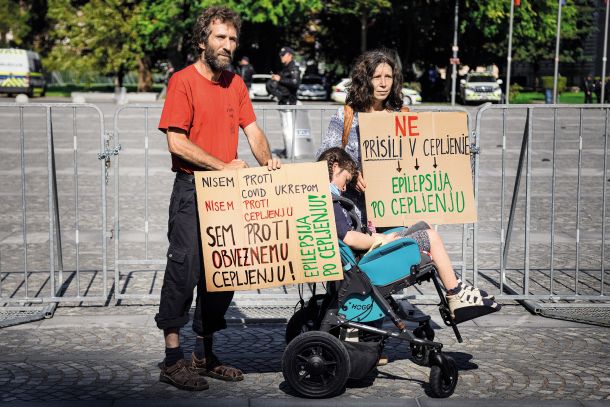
(21,72)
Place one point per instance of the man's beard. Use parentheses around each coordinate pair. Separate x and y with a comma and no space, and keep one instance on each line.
(213,61)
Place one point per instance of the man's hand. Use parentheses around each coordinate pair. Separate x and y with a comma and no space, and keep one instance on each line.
(274,164)
(235,165)
(360,183)
(275,77)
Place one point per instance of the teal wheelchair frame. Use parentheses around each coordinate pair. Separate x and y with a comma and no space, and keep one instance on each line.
(320,358)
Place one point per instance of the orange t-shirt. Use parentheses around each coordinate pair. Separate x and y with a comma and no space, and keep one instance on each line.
(209,112)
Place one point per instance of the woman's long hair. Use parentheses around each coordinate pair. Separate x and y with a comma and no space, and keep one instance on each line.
(360,92)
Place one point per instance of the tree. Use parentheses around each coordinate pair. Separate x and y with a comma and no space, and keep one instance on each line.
(115,36)
(94,37)
(484,29)
(23,23)
(365,10)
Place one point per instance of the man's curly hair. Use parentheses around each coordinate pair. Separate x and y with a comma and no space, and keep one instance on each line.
(203,25)
(360,91)
(341,157)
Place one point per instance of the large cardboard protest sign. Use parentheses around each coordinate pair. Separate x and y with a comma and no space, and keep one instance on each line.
(417,167)
(262,228)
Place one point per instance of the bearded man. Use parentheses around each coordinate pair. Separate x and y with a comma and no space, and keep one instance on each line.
(204,109)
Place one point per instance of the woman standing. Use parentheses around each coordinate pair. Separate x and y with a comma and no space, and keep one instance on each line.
(376,86)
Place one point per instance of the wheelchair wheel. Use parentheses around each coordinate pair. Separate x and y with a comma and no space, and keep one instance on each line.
(443,386)
(316,365)
(421,354)
(300,322)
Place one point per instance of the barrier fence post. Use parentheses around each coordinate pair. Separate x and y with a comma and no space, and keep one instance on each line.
(24,222)
(51,200)
(553,179)
(528,197)
(513,205)
(576,272)
(603,254)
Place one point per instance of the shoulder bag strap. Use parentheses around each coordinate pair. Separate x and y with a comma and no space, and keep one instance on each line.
(348,118)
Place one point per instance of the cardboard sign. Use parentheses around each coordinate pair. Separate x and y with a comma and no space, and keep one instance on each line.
(262,228)
(417,167)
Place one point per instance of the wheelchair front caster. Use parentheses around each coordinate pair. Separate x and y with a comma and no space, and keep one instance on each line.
(443,379)
(316,365)
(421,354)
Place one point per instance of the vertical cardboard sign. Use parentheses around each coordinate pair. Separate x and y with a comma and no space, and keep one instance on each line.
(262,228)
(417,167)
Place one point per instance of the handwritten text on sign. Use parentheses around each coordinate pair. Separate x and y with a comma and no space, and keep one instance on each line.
(417,167)
(262,228)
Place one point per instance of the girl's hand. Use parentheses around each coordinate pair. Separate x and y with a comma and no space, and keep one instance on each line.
(360,183)
(391,236)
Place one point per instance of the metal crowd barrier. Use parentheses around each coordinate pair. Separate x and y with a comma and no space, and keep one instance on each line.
(571,142)
(28,272)
(139,242)
(563,156)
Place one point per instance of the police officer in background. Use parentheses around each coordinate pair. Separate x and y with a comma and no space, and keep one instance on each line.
(246,71)
(589,88)
(284,86)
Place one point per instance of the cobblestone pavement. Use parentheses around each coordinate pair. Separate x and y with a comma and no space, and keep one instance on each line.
(87,353)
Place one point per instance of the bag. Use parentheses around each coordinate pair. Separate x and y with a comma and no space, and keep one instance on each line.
(363,357)
(348,118)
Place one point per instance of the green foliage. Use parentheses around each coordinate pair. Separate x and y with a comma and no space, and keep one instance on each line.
(547,83)
(485,28)
(112,37)
(538,97)
(97,36)
(26,23)
(514,91)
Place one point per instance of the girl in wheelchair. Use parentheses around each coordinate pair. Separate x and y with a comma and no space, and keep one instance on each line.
(464,300)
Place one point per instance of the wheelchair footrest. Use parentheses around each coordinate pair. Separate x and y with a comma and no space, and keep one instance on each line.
(468,313)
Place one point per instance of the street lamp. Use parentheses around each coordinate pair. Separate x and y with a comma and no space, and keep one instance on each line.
(604,59)
(455,54)
(560,2)
(509,58)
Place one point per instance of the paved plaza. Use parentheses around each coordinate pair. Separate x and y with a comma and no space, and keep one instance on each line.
(111,353)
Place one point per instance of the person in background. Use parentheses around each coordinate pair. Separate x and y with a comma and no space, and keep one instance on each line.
(284,85)
(598,90)
(206,105)
(589,88)
(245,70)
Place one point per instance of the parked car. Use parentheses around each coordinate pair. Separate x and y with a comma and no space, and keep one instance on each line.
(410,96)
(339,93)
(258,90)
(21,72)
(480,87)
(312,88)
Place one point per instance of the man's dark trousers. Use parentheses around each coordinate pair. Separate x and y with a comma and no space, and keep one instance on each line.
(184,268)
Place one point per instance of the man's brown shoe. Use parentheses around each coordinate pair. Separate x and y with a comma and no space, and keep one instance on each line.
(182,376)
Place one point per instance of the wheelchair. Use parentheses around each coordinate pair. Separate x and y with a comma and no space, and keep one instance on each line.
(319,357)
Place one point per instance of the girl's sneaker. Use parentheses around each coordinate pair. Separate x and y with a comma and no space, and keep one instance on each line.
(474,290)
(466,305)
